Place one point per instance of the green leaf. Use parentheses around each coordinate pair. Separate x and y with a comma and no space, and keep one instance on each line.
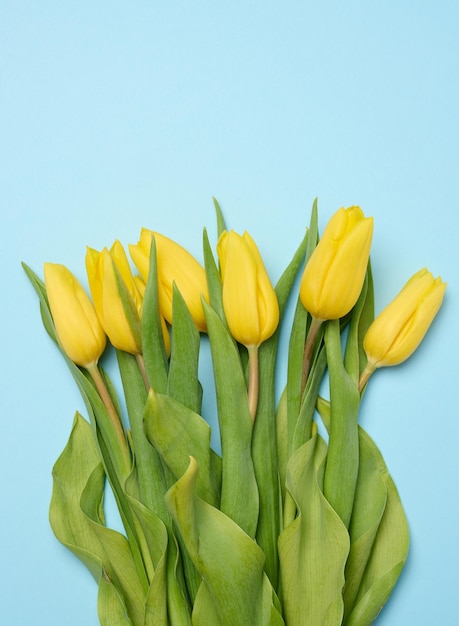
(366,317)
(343,448)
(214,281)
(166,603)
(313,549)
(236,591)
(221,226)
(304,422)
(264,448)
(71,473)
(380,549)
(183,383)
(295,370)
(129,306)
(239,494)
(40,289)
(110,606)
(76,517)
(282,440)
(361,317)
(369,505)
(111,451)
(301,321)
(116,555)
(152,334)
(389,551)
(285,283)
(178,433)
(149,470)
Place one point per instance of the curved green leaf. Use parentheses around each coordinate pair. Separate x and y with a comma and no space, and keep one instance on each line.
(110,606)
(76,517)
(389,552)
(228,560)
(343,449)
(369,505)
(313,549)
(149,472)
(71,473)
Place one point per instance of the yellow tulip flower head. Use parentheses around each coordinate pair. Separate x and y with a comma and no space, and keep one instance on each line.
(77,326)
(175,264)
(400,327)
(334,275)
(117,300)
(249,300)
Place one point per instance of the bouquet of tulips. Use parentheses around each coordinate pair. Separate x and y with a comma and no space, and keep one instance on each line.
(296,520)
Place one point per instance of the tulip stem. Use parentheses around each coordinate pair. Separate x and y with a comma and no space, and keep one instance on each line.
(141,363)
(252,394)
(365,375)
(108,403)
(308,350)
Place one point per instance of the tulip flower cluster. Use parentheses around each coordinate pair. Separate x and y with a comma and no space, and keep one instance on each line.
(281,526)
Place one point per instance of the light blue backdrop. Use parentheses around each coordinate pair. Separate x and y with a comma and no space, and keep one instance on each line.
(117,115)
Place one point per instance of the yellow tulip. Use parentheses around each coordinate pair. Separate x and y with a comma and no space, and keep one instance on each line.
(77,326)
(249,300)
(175,264)
(117,300)
(334,275)
(400,327)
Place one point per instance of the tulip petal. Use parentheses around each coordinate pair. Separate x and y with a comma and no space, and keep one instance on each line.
(75,319)
(400,327)
(334,275)
(249,300)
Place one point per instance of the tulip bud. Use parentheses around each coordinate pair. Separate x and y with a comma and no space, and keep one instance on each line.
(334,275)
(400,327)
(117,300)
(175,264)
(77,326)
(249,300)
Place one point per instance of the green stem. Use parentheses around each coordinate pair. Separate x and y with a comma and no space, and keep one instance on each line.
(308,350)
(254,382)
(114,417)
(141,363)
(365,375)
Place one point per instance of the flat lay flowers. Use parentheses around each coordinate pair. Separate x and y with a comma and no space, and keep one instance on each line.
(295,520)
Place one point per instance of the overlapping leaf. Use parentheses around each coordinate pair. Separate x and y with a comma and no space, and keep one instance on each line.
(313,549)
(236,591)
(77,520)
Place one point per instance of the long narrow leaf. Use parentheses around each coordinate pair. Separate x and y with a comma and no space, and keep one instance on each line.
(239,495)
(389,552)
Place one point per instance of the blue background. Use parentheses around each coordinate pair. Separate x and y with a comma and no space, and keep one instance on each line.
(117,115)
